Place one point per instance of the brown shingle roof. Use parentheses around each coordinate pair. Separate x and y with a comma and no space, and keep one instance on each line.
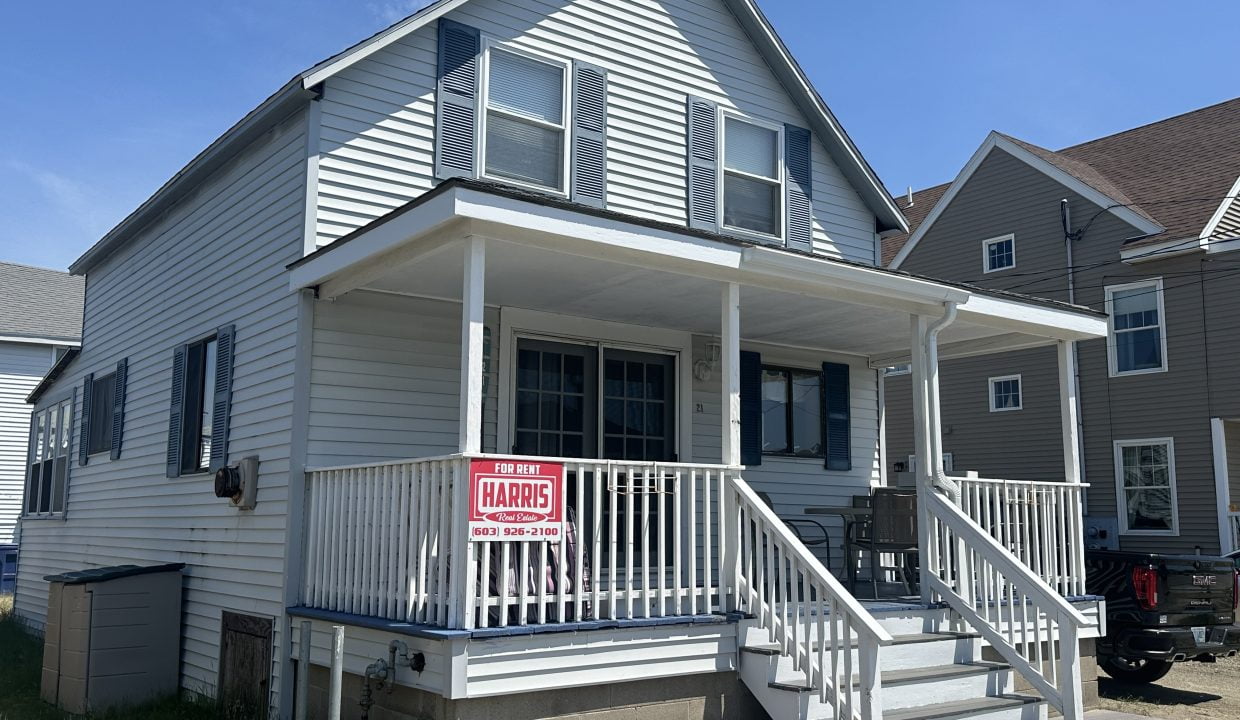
(1175,172)
(923,202)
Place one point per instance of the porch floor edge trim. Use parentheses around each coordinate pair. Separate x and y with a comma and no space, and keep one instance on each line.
(437,633)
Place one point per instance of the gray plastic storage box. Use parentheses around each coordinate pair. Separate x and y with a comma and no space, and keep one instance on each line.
(113,636)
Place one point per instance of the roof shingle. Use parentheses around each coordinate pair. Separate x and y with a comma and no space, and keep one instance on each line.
(40,303)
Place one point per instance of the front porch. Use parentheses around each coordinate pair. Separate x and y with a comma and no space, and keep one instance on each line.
(477,326)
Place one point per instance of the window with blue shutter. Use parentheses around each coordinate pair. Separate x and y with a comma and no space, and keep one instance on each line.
(201,408)
(88,384)
(589,181)
(751,408)
(176,412)
(799,188)
(702,173)
(118,408)
(837,409)
(456,100)
(222,398)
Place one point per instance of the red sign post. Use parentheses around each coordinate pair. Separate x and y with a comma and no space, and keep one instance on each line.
(515,499)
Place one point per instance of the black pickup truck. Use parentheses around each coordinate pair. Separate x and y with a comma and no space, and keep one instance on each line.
(1162,609)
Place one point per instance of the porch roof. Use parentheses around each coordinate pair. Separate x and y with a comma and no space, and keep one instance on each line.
(546,253)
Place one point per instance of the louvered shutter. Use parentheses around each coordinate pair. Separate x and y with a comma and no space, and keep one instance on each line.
(222,408)
(456,100)
(702,136)
(118,406)
(837,421)
(589,135)
(88,384)
(176,412)
(800,206)
(751,408)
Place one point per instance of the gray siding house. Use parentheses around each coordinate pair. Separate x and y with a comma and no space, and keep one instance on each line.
(619,255)
(1141,225)
(40,320)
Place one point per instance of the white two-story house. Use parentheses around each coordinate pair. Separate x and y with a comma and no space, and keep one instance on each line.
(623,247)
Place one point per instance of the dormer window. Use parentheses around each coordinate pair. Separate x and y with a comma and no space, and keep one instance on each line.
(752,172)
(526,119)
(999,253)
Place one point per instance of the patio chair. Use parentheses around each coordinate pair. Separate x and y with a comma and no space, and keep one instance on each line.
(811,533)
(892,529)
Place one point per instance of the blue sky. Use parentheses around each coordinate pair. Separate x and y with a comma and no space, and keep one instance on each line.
(104,101)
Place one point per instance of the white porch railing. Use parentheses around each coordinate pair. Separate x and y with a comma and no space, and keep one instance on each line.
(644,541)
(1041,523)
(804,609)
(1026,620)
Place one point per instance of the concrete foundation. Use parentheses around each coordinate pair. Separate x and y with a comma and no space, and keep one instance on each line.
(715,696)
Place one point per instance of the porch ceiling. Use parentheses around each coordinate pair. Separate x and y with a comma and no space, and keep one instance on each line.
(549,256)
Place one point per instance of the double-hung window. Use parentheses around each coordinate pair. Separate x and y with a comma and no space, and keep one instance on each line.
(1138,342)
(1005,393)
(526,119)
(201,403)
(752,172)
(999,253)
(102,398)
(48,467)
(791,412)
(1145,479)
(200,369)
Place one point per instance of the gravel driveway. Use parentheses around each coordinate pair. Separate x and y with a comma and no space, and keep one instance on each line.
(1190,690)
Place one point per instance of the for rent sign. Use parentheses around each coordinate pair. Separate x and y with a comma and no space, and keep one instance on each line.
(515,500)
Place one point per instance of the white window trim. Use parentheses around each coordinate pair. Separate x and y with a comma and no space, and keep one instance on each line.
(1112,359)
(986,253)
(898,370)
(71,398)
(484,88)
(949,463)
(780,172)
(1020,394)
(1121,498)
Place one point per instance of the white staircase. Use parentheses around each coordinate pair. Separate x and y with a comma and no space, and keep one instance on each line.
(927,672)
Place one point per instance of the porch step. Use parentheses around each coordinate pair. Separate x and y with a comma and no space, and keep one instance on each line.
(1000,707)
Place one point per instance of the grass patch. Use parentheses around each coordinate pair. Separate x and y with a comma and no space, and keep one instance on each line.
(21,661)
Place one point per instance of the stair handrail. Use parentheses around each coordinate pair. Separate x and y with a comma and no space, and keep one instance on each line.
(795,599)
(1058,681)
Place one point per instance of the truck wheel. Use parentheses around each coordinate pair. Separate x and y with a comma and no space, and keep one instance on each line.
(1136,670)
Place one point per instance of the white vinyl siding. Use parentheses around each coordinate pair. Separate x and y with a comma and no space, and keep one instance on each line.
(218,257)
(378,116)
(1137,342)
(1005,393)
(22,365)
(1145,486)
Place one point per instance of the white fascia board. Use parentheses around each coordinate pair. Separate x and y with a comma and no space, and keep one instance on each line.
(1033,318)
(995,140)
(1212,226)
(378,41)
(40,341)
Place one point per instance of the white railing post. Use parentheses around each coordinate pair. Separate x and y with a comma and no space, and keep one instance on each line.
(871,681)
(1069,669)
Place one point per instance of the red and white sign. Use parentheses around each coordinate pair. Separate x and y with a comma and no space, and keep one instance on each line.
(515,499)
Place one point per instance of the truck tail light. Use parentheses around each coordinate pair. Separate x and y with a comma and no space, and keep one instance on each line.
(1145,583)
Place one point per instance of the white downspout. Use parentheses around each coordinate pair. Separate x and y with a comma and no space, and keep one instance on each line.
(933,407)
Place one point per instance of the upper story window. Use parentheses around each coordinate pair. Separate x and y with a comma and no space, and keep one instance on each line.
(526,119)
(1005,393)
(1138,341)
(201,360)
(999,253)
(752,177)
(201,404)
(51,433)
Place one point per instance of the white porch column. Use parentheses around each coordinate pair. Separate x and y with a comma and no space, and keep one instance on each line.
(472,319)
(921,445)
(730,349)
(1067,410)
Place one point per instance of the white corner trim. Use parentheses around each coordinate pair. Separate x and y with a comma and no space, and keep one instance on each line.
(1112,360)
(986,269)
(1121,498)
(1020,392)
(1222,488)
(995,140)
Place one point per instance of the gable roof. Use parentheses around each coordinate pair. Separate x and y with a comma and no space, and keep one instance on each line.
(302,87)
(38,303)
(1177,176)
(923,202)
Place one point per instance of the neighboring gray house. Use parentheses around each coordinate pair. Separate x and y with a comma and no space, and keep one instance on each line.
(616,255)
(40,319)
(1151,219)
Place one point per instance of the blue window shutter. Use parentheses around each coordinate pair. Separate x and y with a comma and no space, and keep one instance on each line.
(118,407)
(751,408)
(589,135)
(837,412)
(456,100)
(702,136)
(176,412)
(88,384)
(797,159)
(224,344)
